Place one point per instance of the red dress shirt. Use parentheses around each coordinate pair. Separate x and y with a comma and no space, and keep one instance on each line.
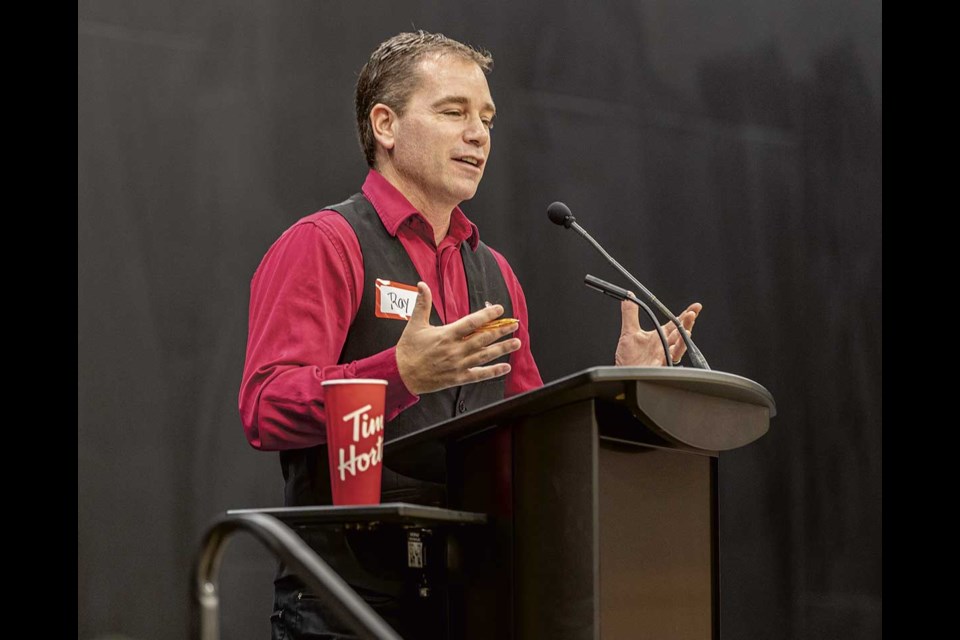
(305,295)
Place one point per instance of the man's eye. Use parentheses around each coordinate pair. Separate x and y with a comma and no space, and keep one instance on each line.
(451,112)
(488,124)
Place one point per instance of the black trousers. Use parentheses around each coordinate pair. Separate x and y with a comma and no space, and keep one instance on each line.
(297,613)
(374,564)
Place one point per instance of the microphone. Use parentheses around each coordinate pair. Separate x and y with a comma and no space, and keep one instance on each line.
(560,214)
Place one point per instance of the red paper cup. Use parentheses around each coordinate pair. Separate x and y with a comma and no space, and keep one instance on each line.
(355,438)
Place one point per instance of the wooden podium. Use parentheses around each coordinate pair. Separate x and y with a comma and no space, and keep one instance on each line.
(601,489)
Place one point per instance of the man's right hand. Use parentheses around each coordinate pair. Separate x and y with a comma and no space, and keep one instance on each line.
(433,358)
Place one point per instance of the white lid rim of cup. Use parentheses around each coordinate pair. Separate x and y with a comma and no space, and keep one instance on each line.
(353,381)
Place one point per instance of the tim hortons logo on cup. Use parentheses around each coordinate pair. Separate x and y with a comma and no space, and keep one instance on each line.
(363,426)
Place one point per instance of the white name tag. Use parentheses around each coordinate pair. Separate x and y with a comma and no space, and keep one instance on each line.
(395,300)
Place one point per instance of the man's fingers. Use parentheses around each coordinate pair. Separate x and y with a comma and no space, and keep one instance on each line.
(494,351)
(677,350)
(421,310)
(479,374)
(469,369)
(470,323)
(629,318)
(482,338)
(689,316)
(677,346)
(687,320)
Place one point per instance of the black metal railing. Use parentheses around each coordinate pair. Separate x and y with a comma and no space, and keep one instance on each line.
(335,594)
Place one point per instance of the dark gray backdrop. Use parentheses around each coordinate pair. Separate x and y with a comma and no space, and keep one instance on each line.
(727,151)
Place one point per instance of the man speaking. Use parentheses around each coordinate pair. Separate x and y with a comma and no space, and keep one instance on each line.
(424,118)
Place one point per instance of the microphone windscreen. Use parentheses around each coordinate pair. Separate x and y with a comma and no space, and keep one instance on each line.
(559,213)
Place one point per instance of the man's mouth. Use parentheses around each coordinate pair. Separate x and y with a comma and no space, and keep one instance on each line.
(471,160)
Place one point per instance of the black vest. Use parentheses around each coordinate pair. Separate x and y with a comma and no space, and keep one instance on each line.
(306,471)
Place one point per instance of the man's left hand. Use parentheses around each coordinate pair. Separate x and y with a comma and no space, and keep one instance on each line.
(639,348)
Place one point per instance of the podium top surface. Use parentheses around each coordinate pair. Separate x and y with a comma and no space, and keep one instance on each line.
(391,512)
(605,383)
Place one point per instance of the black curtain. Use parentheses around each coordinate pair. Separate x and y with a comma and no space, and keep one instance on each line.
(728,152)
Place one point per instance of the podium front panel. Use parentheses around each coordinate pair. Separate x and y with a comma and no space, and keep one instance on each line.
(656,543)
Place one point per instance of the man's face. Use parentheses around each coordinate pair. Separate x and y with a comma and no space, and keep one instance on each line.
(442,141)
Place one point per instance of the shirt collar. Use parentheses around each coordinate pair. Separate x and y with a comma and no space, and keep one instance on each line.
(394,209)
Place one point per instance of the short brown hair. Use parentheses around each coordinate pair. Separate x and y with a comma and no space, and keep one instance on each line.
(388,77)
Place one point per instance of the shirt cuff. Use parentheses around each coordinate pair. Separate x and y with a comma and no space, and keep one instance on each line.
(383,366)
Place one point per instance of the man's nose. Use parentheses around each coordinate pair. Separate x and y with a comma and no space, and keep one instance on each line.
(476,132)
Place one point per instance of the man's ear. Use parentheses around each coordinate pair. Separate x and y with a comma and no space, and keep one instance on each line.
(383,120)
